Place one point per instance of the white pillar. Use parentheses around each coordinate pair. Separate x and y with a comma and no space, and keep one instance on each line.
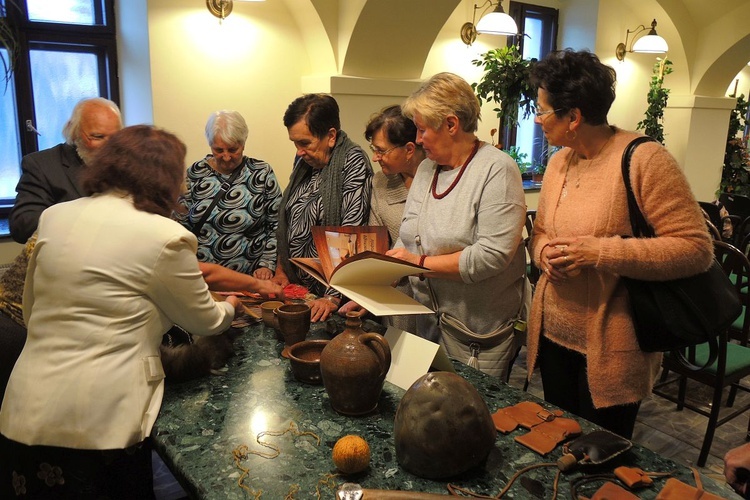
(695,130)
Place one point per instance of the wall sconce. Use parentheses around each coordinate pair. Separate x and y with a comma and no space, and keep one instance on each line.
(219,8)
(222,8)
(496,22)
(651,43)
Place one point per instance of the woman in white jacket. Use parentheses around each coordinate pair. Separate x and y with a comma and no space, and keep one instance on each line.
(109,275)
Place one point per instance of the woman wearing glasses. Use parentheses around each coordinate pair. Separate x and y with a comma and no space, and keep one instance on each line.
(463,220)
(392,139)
(580,332)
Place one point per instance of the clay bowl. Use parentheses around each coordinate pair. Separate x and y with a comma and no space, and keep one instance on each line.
(305,360)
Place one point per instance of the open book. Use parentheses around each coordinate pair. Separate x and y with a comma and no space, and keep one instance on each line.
(352,261)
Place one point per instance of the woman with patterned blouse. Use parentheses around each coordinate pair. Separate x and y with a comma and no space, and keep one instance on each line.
(240,230)
(330,185)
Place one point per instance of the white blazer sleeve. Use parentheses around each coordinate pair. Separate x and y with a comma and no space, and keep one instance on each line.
(178,290)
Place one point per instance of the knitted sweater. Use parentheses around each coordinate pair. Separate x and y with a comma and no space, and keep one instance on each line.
(590,312)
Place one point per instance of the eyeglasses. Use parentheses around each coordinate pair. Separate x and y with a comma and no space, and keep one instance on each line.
(380,152)
(94,137)
(540,114)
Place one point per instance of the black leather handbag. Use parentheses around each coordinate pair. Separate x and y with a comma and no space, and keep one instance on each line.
(675,314)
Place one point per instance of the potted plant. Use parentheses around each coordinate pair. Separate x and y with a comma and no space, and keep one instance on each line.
(8,41)
(521,160)
(538,172)
(735,176)
(505,81)
(657,101)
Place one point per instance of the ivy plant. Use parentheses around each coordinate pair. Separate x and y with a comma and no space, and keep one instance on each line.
(735,176)
(657,101)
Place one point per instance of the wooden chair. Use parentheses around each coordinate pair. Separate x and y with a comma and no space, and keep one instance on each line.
(532,271)
(711,211)
(731,366)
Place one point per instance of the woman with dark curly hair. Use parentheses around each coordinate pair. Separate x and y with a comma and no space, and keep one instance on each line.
(580,332)
(110,273)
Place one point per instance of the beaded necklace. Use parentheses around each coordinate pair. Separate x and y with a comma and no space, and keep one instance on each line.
(458,177)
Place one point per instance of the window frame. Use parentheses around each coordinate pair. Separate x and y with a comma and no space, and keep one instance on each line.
(549,18)
(99,40)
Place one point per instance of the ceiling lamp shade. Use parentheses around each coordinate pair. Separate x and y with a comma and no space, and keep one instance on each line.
(496,22)
(651,43)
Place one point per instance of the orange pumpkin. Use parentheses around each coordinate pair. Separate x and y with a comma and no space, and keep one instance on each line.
(351,454)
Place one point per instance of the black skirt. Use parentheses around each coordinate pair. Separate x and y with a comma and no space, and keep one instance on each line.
(50,472)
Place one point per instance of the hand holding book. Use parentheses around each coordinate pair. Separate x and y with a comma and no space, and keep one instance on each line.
(352,260)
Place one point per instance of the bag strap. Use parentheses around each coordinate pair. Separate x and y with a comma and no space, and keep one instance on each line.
(225,187)
(641,228)
(638,222)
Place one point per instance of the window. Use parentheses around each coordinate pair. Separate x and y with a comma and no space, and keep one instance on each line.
(540,26)
(67,51)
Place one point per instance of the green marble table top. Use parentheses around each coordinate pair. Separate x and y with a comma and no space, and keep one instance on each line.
(201,422)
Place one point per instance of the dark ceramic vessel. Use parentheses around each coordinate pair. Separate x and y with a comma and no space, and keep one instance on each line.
(304,358)
(353,366)
(268,314)
(442,427)
(294,323)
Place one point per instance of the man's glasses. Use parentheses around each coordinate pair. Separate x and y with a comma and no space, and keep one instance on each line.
(380,152)
(94,137)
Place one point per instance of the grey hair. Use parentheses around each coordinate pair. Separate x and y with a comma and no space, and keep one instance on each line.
(72,127)
(227,125)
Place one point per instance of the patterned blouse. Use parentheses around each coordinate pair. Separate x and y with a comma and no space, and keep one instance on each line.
(240,233)
(305,208)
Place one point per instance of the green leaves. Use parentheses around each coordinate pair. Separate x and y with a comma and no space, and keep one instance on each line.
(657,101)
(735,177)
(9,42)
(505,81)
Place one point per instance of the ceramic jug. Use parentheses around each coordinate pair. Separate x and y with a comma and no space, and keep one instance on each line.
(353,366)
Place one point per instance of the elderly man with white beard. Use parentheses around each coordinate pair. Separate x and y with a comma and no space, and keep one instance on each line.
(51,176)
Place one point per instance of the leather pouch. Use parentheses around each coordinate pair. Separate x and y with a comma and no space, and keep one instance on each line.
(547,428)
(596,447)
(633,477)
(527,414)
(611,491)
(544,437)
(674,489)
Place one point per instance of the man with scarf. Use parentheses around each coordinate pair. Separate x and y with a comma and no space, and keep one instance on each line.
(330,185)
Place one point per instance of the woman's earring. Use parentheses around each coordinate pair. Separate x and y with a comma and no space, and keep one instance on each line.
(575,135)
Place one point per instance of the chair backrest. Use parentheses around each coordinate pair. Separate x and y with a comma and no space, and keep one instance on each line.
(737,266)
(736,204)
(712,212)
(534,272)
(713,231)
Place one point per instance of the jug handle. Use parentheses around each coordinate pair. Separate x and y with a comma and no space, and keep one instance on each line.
(383,352)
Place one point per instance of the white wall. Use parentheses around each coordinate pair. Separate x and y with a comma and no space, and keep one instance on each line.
(252,62)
